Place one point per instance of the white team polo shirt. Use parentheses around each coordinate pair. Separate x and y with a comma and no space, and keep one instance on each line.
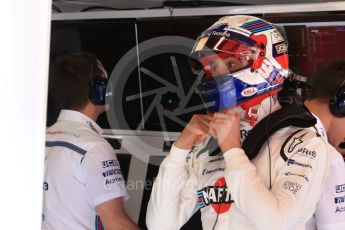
(330,209)
(81,172)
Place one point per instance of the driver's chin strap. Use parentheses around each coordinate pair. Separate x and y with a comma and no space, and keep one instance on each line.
(251,107)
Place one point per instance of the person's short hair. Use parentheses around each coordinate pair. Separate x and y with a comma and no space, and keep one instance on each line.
(70,79)
(327,80)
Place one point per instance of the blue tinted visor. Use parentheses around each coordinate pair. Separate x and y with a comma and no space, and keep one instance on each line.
(218,93)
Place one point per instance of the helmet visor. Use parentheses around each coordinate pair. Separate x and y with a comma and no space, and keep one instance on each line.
(218,56)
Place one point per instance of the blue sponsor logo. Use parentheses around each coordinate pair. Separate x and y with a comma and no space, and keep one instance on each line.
(293,162)
(299,175)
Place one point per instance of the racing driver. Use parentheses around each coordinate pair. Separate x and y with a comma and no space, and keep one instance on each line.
(277,181)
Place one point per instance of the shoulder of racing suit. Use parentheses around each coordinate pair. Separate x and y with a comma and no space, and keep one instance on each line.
(295,142)
(292,115)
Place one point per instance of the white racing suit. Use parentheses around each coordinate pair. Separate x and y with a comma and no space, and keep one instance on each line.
(234,193)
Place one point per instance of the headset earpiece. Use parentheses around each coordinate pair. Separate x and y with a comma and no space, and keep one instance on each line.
(98,84)
(337,102)
(98,90)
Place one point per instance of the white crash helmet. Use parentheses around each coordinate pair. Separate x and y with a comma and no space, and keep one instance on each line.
(243,60)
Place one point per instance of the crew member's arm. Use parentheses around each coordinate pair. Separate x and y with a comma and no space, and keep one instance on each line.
(114,217)
(295,189)
(104,183)
(174,195)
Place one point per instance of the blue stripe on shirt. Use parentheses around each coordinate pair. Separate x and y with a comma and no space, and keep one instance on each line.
(66,145)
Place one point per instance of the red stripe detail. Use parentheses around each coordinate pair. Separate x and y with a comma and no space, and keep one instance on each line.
(283,60)
(256,101)
(257,25)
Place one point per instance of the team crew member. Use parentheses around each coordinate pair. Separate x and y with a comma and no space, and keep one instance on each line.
(327,101)
(83,184)
(243,62)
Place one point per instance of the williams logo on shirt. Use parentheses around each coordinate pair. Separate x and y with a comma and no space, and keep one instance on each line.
(218,196)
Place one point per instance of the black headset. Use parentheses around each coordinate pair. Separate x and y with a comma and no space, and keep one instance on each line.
(337,106)
(337,102)
(289,95)
(98,86)
(98,90)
